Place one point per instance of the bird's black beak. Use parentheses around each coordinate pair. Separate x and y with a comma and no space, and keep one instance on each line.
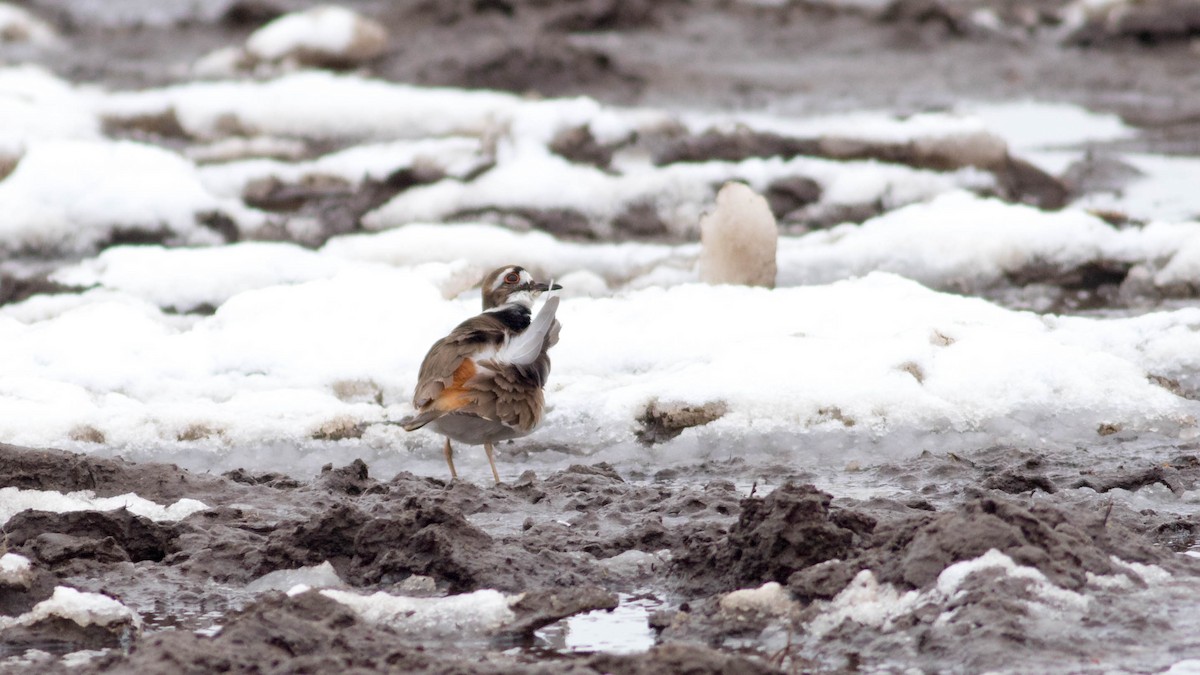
(542,287)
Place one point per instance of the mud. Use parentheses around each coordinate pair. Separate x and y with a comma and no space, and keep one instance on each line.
(557,540)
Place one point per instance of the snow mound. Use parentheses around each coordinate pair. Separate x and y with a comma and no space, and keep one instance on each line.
(84,609)
(37,106)
(327,33)
(19,26)
(70,196)
(15,571)
(187,278)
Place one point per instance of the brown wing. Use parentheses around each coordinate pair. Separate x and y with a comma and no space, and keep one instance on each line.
(449,364)
(513,394)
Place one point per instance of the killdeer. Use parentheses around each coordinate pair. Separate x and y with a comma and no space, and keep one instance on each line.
(483,382)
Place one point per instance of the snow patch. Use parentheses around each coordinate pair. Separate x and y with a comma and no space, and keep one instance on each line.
(69,196)
(678,192)
(14,500)
(320,105)
(329,31)
(15,570)
(187,278)
(867,602)
(37,106)
(19,26)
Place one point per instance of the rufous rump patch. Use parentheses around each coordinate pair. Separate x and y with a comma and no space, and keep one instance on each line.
(457,395)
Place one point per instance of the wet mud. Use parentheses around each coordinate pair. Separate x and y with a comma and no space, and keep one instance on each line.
(574,542)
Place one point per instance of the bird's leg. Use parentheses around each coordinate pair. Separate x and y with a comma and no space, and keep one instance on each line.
(487,447)
(450,459)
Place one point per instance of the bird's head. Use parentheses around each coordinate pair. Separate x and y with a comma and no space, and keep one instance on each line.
(512,284)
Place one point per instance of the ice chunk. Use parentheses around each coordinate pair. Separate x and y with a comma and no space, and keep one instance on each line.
(315,576)
(867,602)
(951,580)
(634,564)
(471,614)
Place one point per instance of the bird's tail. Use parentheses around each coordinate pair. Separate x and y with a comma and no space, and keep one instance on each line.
(414,422)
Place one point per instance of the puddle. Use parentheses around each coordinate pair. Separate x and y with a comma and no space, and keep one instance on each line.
(624,630)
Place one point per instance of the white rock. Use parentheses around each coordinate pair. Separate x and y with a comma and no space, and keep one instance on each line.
(738,240)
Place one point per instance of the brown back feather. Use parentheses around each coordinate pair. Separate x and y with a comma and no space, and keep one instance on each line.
(447,354)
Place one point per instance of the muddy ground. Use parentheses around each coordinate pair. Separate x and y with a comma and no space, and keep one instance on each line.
(581,539)
(593,536)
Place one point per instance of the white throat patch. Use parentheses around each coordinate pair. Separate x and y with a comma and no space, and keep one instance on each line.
(524,298)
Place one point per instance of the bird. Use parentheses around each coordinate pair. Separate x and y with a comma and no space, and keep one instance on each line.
(483,382)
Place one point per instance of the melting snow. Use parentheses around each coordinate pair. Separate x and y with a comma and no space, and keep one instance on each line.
(867,602)
(14,500)
(85,609)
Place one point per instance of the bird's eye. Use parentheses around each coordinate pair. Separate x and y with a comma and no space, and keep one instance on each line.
(512,278)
